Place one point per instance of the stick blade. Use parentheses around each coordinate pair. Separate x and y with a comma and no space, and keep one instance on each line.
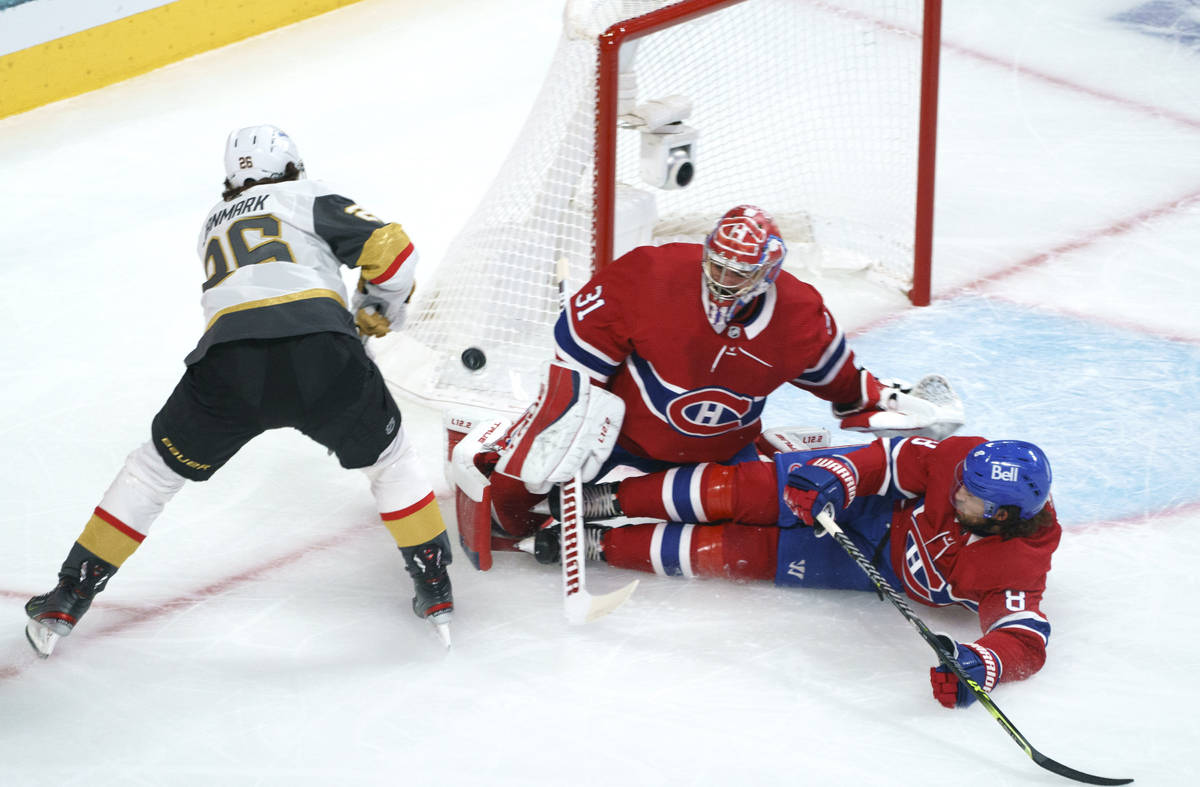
(583,607)
(1054,766)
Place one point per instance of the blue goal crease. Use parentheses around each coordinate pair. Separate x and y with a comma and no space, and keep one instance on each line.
(1174,20)
(1114,409)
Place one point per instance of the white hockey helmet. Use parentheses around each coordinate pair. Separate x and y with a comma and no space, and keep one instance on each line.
(259,153)
(742,258)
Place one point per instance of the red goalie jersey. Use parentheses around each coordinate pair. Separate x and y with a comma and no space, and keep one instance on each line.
(941,563)
(691,394)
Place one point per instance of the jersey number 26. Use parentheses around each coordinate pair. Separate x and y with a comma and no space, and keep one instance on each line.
(268,249)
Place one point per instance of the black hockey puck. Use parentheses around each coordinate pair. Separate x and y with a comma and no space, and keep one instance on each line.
(473,358)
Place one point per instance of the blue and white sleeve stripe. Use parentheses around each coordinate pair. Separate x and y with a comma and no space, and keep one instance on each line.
(893,446)
(571,348)
(1024,621)
(828,365)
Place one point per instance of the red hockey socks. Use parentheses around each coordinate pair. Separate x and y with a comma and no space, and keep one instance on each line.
(738,552)
(704,492)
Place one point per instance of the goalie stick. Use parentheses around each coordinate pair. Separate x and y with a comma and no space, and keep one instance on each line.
(825,519)
(580,605)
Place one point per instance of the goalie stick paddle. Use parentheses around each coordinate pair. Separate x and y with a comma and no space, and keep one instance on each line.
(825,519)
(580,605)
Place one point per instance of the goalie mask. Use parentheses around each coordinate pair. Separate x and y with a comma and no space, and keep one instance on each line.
(1008,473)
(742,258)
(258,153)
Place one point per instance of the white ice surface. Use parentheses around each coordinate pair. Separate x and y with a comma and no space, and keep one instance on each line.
(262,635)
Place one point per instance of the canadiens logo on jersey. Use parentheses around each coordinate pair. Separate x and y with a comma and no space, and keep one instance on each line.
(710,411)
(704,412)
(919,569)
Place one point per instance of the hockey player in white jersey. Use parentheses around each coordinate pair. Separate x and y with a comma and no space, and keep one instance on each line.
(280,348)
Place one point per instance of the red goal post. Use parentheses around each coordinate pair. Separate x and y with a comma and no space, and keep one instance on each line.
(607,88)
(655,118)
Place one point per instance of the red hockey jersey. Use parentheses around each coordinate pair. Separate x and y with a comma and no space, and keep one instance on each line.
(941,564)
(638,327)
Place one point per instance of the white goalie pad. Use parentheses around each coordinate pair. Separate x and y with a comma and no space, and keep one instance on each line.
(932,409)
(786,439)
(472,491)
(465,476)
(570,429)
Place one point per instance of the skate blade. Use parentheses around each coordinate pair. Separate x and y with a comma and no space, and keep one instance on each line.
(441,625)
(41,639)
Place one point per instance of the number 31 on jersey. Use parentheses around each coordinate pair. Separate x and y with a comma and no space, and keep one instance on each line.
(588,302)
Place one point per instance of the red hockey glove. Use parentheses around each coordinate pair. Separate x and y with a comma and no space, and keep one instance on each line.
(980,664)
(822,482)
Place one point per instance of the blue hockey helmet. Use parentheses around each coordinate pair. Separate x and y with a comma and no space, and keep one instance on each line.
(1008,473)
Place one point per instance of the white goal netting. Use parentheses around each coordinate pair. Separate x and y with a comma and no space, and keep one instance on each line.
(807,108)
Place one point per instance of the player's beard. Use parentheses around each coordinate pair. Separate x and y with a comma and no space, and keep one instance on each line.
(977,525)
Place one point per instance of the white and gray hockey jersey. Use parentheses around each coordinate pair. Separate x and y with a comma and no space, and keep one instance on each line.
(271,259)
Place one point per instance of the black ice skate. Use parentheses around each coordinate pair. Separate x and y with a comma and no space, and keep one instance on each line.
(545,548)
(426,564)
(599,502)
(55,614)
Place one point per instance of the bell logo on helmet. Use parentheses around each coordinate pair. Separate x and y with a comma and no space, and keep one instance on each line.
(1004,472)
(1008,473)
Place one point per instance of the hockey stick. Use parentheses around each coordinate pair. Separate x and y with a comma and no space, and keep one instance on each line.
(825,519)
(580,605)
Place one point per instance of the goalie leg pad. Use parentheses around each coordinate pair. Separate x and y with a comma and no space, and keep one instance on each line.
(472,488)
(475,527)
(570,428)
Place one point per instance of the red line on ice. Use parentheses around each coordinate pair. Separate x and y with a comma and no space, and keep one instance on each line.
(138,615)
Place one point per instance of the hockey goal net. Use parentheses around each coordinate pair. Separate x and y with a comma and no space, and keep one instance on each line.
(655,118)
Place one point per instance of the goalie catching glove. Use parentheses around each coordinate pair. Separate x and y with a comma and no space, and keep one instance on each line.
(892,408)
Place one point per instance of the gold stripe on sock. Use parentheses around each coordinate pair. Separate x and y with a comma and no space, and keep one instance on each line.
(415,524)
(107,541)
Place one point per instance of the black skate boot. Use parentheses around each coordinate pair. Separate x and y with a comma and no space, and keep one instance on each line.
(599,502)
(426,564)
(55,614)
(545,548)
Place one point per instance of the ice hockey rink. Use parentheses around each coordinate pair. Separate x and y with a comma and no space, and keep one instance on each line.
(262,635)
